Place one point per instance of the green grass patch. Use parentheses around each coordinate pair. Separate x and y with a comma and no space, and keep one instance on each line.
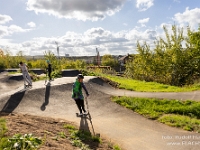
(62,134)
(3,128)
(116,147)
(185,122)
(78,137)
(143,86)
(157,108)
(22,142)
(13,72)
(138,85)
(17,141)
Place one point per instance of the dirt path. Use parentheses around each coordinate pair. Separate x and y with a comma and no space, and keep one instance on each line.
(130,130)
(52,131)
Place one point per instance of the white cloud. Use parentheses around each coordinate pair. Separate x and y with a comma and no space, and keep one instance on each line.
(4,19)
(80,10)
(3,31)
(72,43)
(168,25)
(143,5)
(31,24)
(9,30)
(125,24)
(143,21)
(189,17)
(14,28)
(177,1)
(147,35)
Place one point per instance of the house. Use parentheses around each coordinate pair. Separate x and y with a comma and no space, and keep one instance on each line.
(124,59)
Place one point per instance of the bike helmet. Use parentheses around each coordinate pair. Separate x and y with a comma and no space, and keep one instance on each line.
(80,76)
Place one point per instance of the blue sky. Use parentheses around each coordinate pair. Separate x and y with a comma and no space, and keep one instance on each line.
(81,26)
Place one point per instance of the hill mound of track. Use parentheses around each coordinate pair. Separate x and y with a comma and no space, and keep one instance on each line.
(123,126)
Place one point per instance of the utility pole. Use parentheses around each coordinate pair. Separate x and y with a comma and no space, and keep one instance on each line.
(98,57)
(58,55)
(57,50)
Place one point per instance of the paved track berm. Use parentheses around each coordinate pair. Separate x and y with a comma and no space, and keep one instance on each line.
(130,130)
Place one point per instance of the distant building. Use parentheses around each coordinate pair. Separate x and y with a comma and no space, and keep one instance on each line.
(34,57)
(124,59)
(66,55)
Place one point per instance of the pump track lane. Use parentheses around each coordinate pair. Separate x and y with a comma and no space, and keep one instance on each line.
(130,130)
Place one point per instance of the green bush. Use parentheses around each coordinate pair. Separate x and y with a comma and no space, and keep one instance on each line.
(2,65)
(56,74)
(22,142)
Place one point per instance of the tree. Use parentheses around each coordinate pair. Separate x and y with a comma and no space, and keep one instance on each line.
(168,62)
(1,53)
(53,60)
(108,60)
(2,65)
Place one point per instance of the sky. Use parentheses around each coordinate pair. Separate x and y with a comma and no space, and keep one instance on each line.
(80,26)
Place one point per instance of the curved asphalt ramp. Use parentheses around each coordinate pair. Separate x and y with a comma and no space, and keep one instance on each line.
(14,81)
(8,82)
(100,85)
(130,130)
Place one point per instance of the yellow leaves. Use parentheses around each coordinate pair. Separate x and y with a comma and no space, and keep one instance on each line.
(1,53)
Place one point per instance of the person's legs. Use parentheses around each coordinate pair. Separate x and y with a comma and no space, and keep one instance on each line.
(82,105)
(78,103)
(28,78)
(24,76)
(49,74)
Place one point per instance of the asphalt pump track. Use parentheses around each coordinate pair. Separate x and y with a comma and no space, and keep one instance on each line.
(130,130)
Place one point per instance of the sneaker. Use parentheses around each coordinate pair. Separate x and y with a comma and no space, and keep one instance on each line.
(81,114)
(85,113)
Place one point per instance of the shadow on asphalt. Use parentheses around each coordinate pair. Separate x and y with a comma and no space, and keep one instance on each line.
(47,94)
(98,81)
(13,101)
(84,126)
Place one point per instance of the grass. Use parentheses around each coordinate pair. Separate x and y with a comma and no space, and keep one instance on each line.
(183,114)
(18,141)
(13,72)
(116,147)
(62,134)
(3,127)
(22,142)
(184,122)
(3,130)
(78,137)
(143,86)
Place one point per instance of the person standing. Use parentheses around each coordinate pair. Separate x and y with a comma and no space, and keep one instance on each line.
(24,69)
(77,94)
(49,69)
